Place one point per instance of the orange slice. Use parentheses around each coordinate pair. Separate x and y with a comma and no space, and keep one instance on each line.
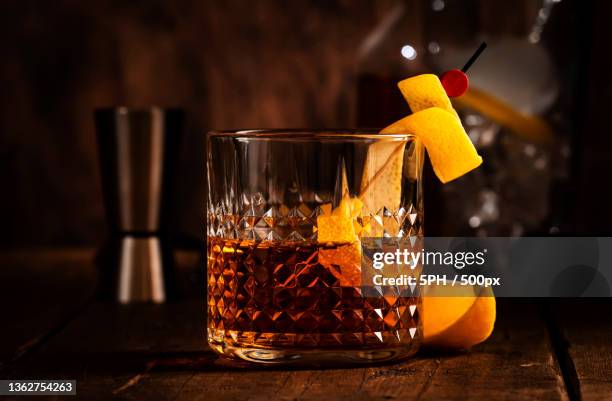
(443,306)
(459,321)
(424,91)
(451,152)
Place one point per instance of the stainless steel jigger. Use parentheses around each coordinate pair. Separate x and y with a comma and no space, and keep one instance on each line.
(138,150)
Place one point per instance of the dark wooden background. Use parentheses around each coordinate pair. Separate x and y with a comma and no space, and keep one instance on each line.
(230,64)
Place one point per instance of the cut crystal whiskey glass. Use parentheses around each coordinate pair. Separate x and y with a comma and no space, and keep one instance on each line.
(277,292)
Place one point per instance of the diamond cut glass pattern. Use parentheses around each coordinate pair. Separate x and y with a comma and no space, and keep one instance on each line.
(276,292)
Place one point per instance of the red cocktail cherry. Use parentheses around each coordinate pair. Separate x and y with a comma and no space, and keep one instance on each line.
(455,82)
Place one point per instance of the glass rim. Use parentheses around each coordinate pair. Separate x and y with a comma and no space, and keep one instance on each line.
(307,133)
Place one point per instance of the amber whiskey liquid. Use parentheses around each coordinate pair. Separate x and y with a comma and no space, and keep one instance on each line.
(295,298)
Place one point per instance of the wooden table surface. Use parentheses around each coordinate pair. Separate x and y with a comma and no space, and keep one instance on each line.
(53,327)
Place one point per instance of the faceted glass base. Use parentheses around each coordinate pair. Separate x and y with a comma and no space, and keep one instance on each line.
(327,356)
(314,357)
